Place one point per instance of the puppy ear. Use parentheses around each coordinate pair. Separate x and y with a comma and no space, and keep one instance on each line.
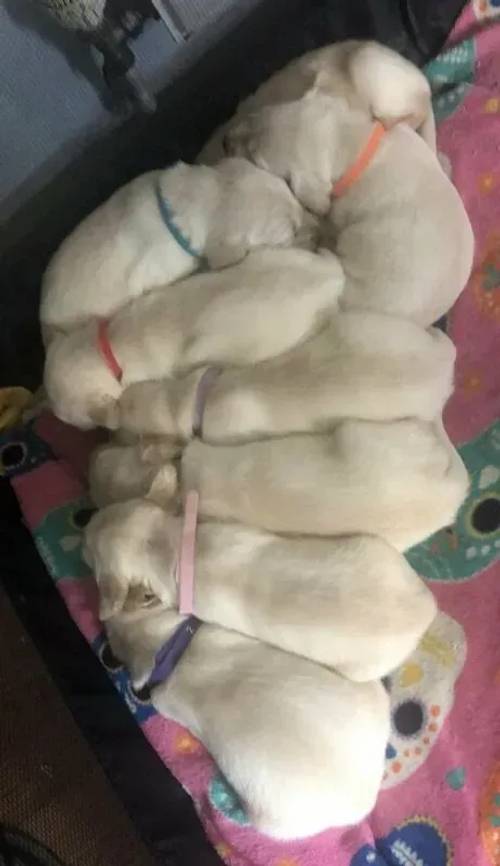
(112,595)
(312,191)
(164,486)
(106,415)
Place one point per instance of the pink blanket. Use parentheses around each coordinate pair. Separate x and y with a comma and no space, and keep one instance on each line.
(440,802)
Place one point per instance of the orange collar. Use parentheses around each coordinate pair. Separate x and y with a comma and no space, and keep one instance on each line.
(361,163)
(106,351)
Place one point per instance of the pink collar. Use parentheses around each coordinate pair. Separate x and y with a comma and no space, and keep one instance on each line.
(185,563)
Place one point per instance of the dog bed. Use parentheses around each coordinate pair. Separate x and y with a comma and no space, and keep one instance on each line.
(440,798)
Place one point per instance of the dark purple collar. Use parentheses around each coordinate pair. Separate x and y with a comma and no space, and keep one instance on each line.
(204,385)
(171,651)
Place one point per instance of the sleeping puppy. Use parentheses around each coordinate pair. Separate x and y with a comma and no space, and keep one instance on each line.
(362,365)
(302,747)
(401,481)
(370,76)
(259,308)
(400,229)
(158,228)
(353,604)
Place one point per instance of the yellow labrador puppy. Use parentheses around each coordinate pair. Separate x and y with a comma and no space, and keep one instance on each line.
(361,365)
(401,481)
(159,228)
(394,218)
(254,310)
(353,604)
(302,747)
(371,76)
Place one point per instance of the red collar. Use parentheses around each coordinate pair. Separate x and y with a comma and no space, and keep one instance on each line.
(361,163)
(106,352)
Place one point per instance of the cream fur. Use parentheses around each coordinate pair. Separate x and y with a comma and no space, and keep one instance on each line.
(303,747)
(370,76)
(124,249)
(118,472)
(362,365)
(280,682)
(401,481)
(353,604)
(268,303)
(401,231)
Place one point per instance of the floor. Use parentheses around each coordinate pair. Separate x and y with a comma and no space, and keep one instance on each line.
(53,790)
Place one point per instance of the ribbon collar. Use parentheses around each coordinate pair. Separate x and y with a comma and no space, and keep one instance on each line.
(361,163)
(106,351)
(178,235)
(204,386)
(173,649)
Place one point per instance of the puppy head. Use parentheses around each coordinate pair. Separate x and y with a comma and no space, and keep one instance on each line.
(80,388)
(298,141)
(132,548)
(255,208)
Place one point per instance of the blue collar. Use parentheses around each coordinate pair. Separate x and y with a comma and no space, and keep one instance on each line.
(169,220)
(172,651)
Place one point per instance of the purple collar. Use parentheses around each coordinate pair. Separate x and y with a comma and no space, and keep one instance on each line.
(171,651)
(204,385)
